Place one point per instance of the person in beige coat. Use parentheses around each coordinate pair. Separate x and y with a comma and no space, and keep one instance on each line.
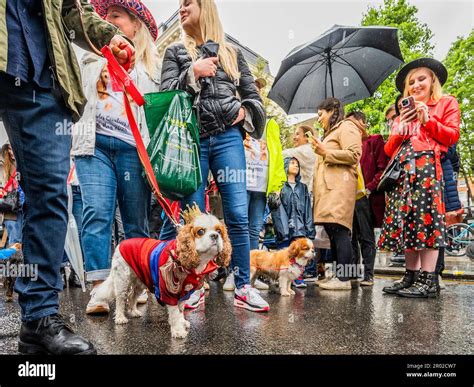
(335,186)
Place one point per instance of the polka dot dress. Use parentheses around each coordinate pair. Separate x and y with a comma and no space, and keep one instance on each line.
(414,217)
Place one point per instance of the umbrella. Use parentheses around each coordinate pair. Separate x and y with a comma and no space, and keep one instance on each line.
(72,245)
(348,63)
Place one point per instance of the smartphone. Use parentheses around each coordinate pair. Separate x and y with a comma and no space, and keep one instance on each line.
(309,135)
(408,102)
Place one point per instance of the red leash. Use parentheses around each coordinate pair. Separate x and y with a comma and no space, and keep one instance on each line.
(119,75)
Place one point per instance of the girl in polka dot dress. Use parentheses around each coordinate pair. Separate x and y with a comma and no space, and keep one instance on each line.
(414,216)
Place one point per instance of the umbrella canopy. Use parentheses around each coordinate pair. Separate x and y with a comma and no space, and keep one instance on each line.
(348,63)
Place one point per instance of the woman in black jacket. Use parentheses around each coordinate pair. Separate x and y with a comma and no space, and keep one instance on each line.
(227,101)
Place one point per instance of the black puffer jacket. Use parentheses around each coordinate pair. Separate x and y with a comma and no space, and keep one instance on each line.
(218,105)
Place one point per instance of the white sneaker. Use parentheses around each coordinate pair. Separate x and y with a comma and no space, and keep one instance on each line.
(249,298)
(336,284)
(96,307)
(327,278)
(260,285)
(143,298)
(197,298)
(229,284)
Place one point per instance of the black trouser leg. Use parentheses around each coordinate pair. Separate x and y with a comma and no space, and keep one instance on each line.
(341,249)
(364,226)
(440,263)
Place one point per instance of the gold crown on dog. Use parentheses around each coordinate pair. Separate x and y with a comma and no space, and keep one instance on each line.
(190,213)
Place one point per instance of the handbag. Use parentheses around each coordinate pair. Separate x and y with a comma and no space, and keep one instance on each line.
(391,174)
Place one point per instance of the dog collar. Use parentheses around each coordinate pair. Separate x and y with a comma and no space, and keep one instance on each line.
(293,262)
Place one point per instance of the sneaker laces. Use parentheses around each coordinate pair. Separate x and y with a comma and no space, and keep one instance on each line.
(251,290)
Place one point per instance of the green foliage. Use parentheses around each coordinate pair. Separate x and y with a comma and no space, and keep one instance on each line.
(460,64)
(415,41)
(273,110)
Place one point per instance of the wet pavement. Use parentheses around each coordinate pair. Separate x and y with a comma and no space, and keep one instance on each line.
(314,321)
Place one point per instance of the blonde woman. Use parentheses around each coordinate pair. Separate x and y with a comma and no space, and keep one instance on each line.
(107,163)
(414,216)
(228,102)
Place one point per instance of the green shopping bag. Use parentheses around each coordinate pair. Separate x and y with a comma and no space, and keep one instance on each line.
(174,142)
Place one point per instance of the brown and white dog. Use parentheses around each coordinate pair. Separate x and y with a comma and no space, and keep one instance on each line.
(284,265)
(201,246)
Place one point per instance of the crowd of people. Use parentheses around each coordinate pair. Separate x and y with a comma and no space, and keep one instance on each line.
(324,187)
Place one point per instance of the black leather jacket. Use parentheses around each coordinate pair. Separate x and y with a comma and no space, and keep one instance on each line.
(219,104)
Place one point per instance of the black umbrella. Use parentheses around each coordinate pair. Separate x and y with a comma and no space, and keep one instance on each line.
(348,63)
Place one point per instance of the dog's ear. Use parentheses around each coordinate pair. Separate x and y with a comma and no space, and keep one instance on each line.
(187,254)
(293,249)
(224,257)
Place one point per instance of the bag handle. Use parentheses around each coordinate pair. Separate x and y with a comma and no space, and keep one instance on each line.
(145,160)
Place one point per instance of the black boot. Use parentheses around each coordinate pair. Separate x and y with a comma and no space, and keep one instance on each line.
(51,335)
(408,279)
(74,280)
(426,286)
(63,277)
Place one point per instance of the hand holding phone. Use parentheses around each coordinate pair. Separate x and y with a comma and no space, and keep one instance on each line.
(318,147)
(408,103)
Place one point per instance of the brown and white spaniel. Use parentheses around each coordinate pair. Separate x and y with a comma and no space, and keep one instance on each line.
(284,265)
(171,270)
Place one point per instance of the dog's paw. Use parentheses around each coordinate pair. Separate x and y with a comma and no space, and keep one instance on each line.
(179,332)
(292,292)
(285,294)
(186,324)
(121,320)
(135,313)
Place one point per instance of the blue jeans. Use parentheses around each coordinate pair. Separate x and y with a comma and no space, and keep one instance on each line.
(113,173)
(223,154)
(37,126)
(14,228)
(256,207)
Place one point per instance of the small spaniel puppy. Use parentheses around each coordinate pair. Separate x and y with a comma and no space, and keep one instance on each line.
(285,265)
(172,270)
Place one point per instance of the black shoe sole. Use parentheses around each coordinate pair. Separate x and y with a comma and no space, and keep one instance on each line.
(34,349)
(429,295)
(390,291)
